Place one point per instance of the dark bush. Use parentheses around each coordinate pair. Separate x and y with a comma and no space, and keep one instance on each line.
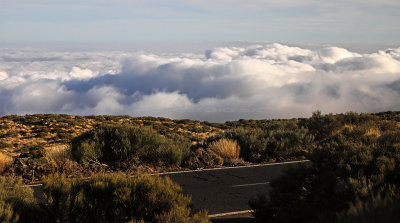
(5,145)
(203,158)
(383,206)
(348,169)
(118,198)
(322,126)
(258,145)
(35,152)
(124,145)
(17,203)
(12,133)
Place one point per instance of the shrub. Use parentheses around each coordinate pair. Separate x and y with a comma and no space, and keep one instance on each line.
(382,207)
(4,144)
(202,158)
(58,153)
(322,126)
(260,145)
(17,203)
(122,145)
(346,172)
(12,133)
(7,213)
(33,152)
(118,198)
(61,158)
(226,148)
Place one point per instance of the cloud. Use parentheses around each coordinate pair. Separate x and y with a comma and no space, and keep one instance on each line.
(3,76)
(228,83)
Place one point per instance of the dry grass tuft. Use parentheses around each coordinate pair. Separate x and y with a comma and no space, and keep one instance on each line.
(5,161)
(61,159)
(59,154)
(226,148)
(374,131)
(349,126)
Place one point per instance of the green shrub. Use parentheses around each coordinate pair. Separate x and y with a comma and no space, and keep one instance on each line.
(7,213)
(5,145)
(17,203)
(203,158)
(382,207)
(12,133)
(122,145)
(322,126)
(36,151)
(261,145)
(347,169)
(118,198)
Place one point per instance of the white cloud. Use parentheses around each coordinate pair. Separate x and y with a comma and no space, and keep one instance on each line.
(334,54)
(261,81)
(80,74)
(3,76)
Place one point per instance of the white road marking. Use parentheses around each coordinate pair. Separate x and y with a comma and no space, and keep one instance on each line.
(230,213)
(209,169)
(231,167)
(247,185)
(33,185)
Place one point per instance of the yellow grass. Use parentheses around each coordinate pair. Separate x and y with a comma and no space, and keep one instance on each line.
(5,161)
(349,126)
(226,148)
(59,153)
(60,157)
(374,131)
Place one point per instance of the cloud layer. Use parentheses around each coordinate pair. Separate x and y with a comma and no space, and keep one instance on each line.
(260,81)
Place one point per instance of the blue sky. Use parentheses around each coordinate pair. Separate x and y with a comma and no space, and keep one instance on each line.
(212,60)
(345,21)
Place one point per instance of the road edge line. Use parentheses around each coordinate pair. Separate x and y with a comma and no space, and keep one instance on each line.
(208,169)
(230,167)
(230,213)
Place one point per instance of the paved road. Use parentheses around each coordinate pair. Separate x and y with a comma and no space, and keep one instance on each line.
(222,190)
(228,189)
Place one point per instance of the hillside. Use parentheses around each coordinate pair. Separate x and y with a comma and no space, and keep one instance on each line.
(19,133)
(33,146)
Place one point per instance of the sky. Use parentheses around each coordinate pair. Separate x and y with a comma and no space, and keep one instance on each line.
(216,60)
(126,21)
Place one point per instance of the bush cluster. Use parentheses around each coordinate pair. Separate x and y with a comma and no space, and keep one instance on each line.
(17,203)
(383,206)
(351,168)
(124,145)
(118,198)
(263,145)
(103,198)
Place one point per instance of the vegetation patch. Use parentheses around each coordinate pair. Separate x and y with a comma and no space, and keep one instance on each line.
(17,203)
(96,144)
(226,148)
(124,145)
(5,161)
(103,198)
(353,175)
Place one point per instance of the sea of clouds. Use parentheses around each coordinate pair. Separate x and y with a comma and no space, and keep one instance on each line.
(228,83)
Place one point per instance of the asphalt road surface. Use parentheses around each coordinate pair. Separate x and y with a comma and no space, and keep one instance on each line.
(221,190)
(224,190)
